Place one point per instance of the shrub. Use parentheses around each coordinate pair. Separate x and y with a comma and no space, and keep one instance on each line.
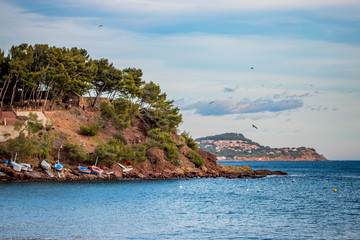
(189,141)
(89,131)
(3,149)
(195,158)
(77,153)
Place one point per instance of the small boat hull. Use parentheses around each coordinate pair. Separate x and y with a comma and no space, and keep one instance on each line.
(58,167)
(26,167)
(45,165)
(84,170)
(96,170)
(16,166)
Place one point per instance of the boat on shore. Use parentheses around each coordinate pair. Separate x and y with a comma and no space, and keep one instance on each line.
(125,169)
(16,166)
(96,169)
(45,165)
(84,170)
(26,167)
(58,167)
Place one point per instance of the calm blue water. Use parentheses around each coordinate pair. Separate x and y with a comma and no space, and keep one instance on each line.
(191,209)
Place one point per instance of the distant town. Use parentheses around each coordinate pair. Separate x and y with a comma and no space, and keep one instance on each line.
(234,146)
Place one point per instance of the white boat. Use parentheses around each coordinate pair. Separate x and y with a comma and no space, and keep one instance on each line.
(96,169)
(26,167)
(16,166)
(45,165)
(125,169)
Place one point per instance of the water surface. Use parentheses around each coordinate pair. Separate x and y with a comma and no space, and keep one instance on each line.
(216,208)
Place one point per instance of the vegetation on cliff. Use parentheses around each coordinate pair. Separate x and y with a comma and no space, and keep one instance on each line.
(39,74)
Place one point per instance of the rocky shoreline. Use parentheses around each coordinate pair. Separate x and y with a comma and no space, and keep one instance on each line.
(155,168)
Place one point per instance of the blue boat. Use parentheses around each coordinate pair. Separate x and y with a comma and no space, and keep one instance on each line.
(84,170)
(58,167)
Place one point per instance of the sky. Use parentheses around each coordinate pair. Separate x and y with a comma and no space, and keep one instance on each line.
(291,68)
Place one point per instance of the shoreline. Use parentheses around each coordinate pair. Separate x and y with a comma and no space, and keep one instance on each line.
(72,174)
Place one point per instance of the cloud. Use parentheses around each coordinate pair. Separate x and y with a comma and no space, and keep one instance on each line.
(226,107)
(181,6)
(227,90)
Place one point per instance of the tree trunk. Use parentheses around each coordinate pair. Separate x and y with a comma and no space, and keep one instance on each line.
(3,93)
(47,94)
(13,93)
(40,97)
(97,95)
(22,95)
(31,93)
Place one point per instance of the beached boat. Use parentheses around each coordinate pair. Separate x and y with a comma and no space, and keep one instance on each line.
(84,170)
(26,167)
(125,169)
(45,165)
(58,167)
(96,170)
(16,166)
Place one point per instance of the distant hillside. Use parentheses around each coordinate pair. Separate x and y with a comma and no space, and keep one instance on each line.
(235,146)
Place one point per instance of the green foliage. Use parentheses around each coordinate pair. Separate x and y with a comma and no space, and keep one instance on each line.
(76,152)
(3,149)
(89,131)
(29,123)
(115,150)
(22,145)
(189,141)
(107,110)
(163,140)
(195,158)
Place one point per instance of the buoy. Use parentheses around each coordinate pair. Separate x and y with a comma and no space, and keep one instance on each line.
(180,187)
(293,180)
(247,189)
(282,183)
(335,190)
(350,182)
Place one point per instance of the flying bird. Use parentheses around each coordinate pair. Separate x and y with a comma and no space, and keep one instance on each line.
(100,26)
(252,68)
(211,102)
(254,126)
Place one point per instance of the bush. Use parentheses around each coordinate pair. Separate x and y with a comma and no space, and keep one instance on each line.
(189,141)
(116,151)
(196,159)
(77,153)
(89,131)
(3,149)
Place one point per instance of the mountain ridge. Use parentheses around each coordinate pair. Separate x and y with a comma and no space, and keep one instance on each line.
(235,146)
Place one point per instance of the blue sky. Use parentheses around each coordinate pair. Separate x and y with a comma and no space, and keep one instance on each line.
(303,90)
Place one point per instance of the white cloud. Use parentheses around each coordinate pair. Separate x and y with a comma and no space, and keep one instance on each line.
(176,6)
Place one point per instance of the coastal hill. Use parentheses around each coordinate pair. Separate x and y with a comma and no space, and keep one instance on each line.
(60,105)
(234,146)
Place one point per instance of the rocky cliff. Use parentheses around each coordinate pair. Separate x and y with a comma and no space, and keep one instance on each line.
(67,123)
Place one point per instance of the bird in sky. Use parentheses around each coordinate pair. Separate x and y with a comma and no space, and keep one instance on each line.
(254,126)
(252,68)
(100,26)
(211,102)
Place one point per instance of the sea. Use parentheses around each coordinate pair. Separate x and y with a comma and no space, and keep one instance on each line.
(316,200)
